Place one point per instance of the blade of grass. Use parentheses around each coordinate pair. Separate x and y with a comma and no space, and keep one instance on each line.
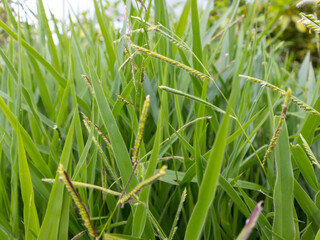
(307,205)
(209,183)
(62,81)
(245,233)
(29,145)
(56,220)
(31,221)
(118,146)
(52,48)
(305,166)
(283,224)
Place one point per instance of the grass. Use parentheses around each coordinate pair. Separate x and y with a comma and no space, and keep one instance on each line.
(171,127)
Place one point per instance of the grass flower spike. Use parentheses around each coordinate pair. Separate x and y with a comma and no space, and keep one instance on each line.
(104,137)
(172,62)
(294,99)
(75,196)
(125,198)
(142,124)
(276,134)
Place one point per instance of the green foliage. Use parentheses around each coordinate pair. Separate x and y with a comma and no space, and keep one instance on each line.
(212,141)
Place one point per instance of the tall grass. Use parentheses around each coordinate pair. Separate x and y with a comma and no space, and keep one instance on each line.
(171,127)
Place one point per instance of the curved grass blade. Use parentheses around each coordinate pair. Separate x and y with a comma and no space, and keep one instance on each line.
(307,205)
(245,233)
(174,91)
(62,81)
(28,143)
(305,167)
(209,183)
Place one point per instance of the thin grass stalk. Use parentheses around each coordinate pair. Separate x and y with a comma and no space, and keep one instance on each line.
(63,176)
(130,58)
(174,91)
(225,29)
(78,235)
(128,36)
(125,198)
(179,43)
(143,6)
(140,30)
(156,225)
(104,137)
(179,130)
(276,134)
(103,181)
(175,221)
(86,185)
(102,154)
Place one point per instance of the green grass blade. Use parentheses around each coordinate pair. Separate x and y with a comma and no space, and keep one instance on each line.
(55,222)
(174,227)
(209,183)
(106,36)
(244,234)
(28,143)
(62,81)
(283,224)
(196,36)
(118,146)
(305,166)
(52,48)
(307,205)
(31,221)
(178,92)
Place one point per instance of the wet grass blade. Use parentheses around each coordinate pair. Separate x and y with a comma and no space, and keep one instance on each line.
(245,233)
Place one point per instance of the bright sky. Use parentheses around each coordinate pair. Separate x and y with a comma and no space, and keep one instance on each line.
(60,8)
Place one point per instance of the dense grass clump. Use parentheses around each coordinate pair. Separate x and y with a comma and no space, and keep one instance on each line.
(195,125)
